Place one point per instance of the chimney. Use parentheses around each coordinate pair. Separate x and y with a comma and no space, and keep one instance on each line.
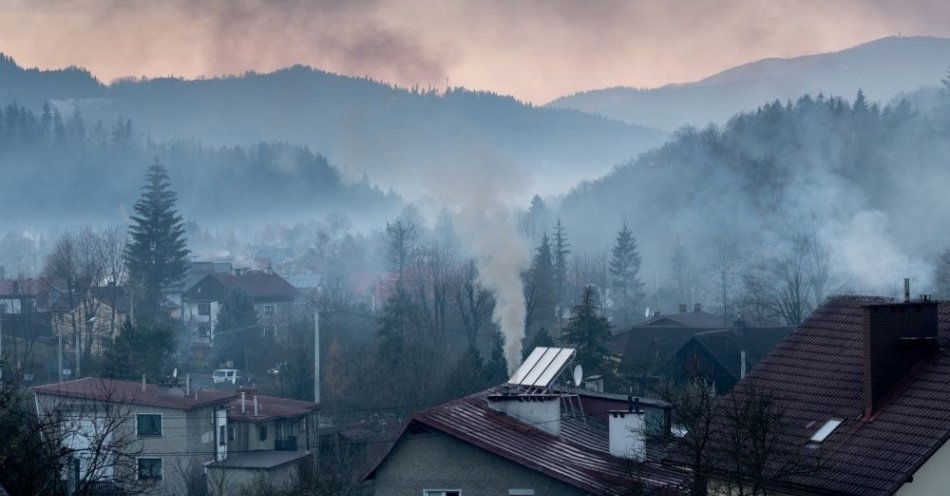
(627,431)
(541,411)
(899,338)
(698,307)
(187,384)
(243,402)
(682,308)
(143,383)
(257,407)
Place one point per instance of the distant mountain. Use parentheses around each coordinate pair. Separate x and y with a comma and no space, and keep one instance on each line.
(404,138)
(882,68)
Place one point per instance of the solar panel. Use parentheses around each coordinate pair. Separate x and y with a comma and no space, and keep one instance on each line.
(542,367)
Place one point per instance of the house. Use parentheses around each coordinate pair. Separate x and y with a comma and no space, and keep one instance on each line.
(525,439)
(724,356)
(99,318)
(272,295)
(19,296)
(271,437)
(864,388)
(195,273)
(645,349)
(133,433)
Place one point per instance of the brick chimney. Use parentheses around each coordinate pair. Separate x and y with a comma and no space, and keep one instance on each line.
(541,411)
(899,338)
(682,308)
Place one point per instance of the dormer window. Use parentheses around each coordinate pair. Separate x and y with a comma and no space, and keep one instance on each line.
(823,432)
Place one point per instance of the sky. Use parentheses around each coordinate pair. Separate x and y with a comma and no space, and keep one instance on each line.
(535,50)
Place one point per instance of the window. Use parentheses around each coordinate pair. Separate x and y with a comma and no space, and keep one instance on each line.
(230,433)
(204,309)
(268,330)
(262,432)
(442,492)
(149,424)
(150,469)
(270,309)
(821,434)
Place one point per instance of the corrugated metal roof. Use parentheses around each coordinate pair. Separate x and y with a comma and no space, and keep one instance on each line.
(817,373)
(130,392)
(579,457)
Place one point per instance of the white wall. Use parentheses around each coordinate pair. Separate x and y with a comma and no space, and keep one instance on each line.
(932,478)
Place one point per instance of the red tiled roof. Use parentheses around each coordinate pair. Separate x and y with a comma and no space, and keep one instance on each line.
(269,407)
(817,372)
(579,457)
(130,392)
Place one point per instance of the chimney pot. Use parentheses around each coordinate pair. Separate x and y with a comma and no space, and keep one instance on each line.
(243,402)
(143,382)
(257,407)
(627,436)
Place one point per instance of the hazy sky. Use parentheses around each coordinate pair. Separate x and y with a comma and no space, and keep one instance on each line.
(534,49)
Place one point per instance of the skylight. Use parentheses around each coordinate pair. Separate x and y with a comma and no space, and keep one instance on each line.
(821,434)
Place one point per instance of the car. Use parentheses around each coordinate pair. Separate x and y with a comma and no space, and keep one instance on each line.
(225,376)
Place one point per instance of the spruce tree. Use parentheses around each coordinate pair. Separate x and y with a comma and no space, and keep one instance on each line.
(588,332)
(539,290)
(560,249)
(156,255)
(624,284)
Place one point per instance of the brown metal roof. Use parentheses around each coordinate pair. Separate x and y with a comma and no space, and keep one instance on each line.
(130,392)
(579,457)
(269,407)
(817,373)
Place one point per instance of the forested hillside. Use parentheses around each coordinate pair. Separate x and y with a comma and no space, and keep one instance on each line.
(397,135)
(823,183)
(77,170)
(911,62)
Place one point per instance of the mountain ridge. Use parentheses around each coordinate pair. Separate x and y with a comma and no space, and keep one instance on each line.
(912,62)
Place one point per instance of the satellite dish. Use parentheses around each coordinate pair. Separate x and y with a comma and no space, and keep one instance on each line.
(578,375)
(647,313)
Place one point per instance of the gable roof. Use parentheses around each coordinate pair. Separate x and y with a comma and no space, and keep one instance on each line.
(130,392)
(121,295)
(579,457)
(817,372)
(725,346)
(269,407)
(261,286)
(698,319)
(649,349)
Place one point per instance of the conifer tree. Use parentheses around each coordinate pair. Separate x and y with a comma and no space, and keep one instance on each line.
(625,286)
(237,330)
(539,291)
(560,249)
(156,254)
(588,332)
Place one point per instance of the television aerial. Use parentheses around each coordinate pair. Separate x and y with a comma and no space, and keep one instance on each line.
(578,375)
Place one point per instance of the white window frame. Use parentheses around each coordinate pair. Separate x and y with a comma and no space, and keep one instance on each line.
(161,468)
(161,425)
(440,492)
(199,307)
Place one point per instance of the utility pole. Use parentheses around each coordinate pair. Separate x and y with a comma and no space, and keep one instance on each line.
(316,354)
(1,346)
(59,335)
